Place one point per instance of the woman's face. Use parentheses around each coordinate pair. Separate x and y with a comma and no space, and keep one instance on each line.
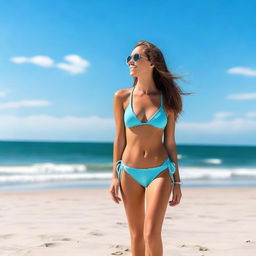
(141,67)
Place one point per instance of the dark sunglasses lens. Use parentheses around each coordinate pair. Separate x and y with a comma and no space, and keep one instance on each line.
(136,57)
(128,59)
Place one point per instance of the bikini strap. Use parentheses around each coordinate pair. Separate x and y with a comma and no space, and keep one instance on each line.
(131,96)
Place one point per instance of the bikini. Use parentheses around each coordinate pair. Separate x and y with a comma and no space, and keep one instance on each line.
(159,120)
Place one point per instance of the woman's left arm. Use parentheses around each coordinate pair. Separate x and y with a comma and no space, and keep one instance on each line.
(170,145)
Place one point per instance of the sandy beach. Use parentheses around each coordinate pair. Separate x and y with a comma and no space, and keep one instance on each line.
(208,221)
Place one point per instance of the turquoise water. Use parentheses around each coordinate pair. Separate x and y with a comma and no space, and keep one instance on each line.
(53,165)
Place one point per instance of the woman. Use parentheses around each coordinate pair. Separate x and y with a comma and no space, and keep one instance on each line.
(146,167)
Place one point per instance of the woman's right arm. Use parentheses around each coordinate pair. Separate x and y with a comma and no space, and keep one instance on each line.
(120,136)
(119,143)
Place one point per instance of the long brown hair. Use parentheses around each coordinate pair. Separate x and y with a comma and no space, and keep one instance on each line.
(163,78)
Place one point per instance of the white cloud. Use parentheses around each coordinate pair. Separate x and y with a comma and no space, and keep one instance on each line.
(245,71)
(220,126)
(223,115)
(250,114)
(74,63)
(19,60)
(242,96)
(43,61)
(24,103)
(4,93)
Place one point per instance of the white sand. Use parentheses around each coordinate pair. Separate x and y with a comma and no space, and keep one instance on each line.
(208,221)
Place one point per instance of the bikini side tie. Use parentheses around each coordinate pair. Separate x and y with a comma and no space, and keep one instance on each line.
(118,166)
(172,169)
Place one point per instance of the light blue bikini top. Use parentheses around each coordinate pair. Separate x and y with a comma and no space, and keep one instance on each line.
(159,118)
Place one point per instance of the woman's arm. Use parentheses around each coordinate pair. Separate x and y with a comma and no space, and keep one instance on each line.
(169,142)
(120,136)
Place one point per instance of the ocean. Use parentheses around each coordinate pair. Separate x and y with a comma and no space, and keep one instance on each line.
(54,165)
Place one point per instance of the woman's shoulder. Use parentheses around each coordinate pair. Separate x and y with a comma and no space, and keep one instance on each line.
(122,93)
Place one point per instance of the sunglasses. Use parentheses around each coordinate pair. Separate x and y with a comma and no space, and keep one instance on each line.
(135,57)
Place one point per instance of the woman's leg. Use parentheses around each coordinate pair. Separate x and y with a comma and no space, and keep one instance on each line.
(157,197)
(133,195)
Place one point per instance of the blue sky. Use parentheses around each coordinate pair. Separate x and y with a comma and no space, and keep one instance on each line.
(62,61)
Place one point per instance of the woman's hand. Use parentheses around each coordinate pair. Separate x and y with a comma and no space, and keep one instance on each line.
(176,195)
(113,190)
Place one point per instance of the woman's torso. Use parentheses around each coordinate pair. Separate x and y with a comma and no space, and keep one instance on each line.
(144,147)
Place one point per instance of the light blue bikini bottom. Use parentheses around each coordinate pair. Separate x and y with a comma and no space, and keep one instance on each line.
(145,176)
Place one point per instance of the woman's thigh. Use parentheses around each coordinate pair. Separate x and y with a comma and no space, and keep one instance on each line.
(133,195)
(157,197)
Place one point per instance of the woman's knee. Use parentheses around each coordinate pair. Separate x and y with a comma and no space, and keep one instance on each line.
(151,234)
(136,235)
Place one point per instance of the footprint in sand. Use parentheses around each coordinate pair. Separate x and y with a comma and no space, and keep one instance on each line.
(66,239)
(201,248)
(4,236)
(250,241)
(54,237)
(122,251)
(63,239)
(48,245)
(121,223)
(95,233)
(117,253)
